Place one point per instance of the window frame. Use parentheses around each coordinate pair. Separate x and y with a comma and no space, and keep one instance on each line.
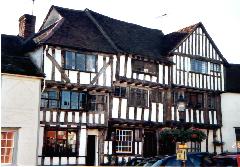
(156,96)
(196,67)
(13,147)
(122,91)
(48,152)
(215,67)
(70,100)
(130,143)
(143,65)
(197,97)
(96,102)
(135,101)
(75,61)
(48,99)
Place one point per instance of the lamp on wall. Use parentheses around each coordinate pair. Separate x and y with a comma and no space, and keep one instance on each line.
(181,106)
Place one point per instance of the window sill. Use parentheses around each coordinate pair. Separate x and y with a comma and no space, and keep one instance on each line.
(79,70)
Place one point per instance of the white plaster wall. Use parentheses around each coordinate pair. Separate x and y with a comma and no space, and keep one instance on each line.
(37,57)
(230,103)
(20,109)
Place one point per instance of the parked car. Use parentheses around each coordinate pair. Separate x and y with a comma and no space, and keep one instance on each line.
(193,159)
(227,160)
(135,161)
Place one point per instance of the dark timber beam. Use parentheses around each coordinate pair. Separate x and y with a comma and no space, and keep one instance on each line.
(103,69)
(55,63)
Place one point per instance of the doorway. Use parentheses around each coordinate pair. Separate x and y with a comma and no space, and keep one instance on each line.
(91,152)
(150,144)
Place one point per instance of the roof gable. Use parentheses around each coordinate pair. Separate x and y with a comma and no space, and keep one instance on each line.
(201,42)
(52,17)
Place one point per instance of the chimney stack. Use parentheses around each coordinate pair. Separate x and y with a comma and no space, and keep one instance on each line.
(27,25)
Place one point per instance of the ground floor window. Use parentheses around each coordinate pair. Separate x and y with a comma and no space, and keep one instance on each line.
(7,147)
(124,141)
(61,142)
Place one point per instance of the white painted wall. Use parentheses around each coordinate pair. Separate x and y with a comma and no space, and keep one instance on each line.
(20,109)
(37,57)
(230,103)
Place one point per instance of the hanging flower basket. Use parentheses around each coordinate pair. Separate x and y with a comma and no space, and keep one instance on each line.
(179,135)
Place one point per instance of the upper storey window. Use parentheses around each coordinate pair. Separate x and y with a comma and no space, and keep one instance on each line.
(144,67)
(215,67)
(80,62)
(199,66)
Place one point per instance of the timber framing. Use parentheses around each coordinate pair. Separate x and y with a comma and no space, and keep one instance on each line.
(129,86)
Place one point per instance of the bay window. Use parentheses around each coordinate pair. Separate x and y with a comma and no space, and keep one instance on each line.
(80,62)
(124,141)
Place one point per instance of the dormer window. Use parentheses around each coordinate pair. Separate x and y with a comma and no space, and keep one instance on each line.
(80,62)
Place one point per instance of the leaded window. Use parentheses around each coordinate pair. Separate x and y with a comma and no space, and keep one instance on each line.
(80,62)
(124,141)
(138,98)
(199,66)
(156,96)
(97,102)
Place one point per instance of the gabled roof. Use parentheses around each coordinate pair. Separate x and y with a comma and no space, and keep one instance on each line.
(184,33)
(77,30)
(13,60)
(233,78)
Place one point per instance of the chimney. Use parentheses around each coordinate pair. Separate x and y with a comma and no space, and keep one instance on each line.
(27,25)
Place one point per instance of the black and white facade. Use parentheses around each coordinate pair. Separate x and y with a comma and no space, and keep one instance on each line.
(111,86)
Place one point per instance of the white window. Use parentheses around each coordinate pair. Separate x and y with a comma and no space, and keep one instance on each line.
(199,66)
(7,147)
(124,140)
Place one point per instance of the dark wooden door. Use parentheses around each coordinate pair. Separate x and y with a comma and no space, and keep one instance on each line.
(91,152)
(150,144)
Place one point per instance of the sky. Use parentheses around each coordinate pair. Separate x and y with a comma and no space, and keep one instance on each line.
(221,18)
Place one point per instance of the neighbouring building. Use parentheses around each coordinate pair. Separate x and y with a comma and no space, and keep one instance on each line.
(230,101)
(20,94)
(111,86)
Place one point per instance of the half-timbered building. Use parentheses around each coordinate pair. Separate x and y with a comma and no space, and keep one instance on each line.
(111,86)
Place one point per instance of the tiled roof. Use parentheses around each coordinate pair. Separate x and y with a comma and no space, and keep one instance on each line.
(13,60)
(78,31)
